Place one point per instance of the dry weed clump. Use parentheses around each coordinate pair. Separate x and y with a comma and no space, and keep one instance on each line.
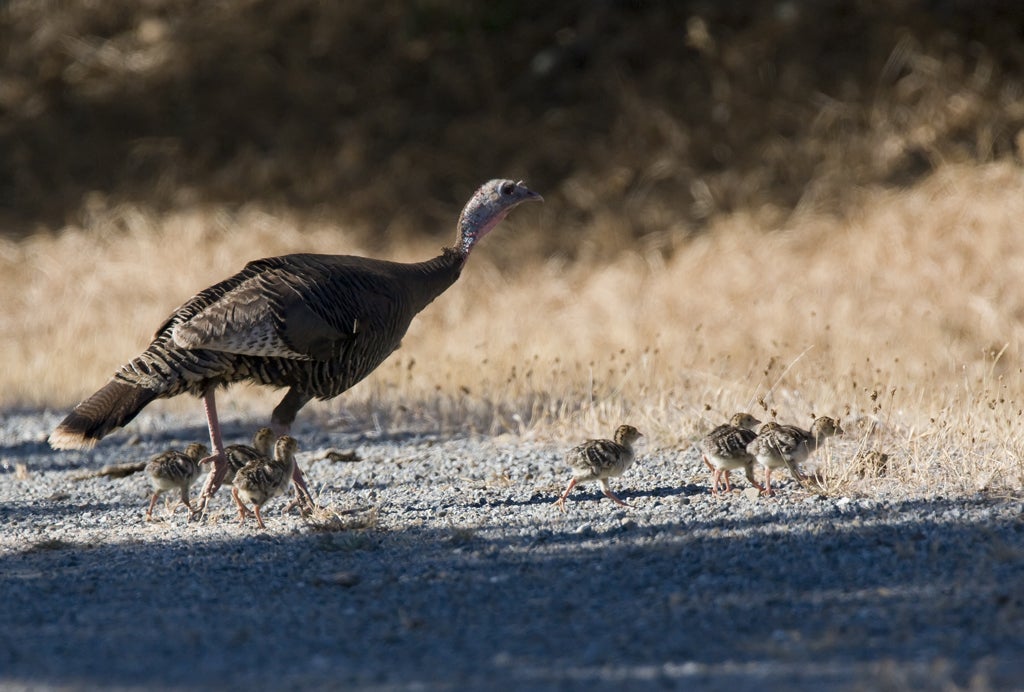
(904,320)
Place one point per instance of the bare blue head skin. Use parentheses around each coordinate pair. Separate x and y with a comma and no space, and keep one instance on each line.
(487,207)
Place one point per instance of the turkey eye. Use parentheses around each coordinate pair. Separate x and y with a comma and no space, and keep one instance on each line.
(507,188)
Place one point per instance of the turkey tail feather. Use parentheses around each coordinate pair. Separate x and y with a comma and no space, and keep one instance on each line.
(111,407)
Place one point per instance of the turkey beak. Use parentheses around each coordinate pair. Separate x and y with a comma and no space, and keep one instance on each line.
(528,194)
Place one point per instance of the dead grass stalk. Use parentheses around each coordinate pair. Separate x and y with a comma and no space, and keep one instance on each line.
(904,320)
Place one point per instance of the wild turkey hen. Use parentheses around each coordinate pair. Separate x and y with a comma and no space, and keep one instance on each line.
(316,324)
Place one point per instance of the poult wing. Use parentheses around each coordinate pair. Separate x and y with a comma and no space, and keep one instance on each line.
(600,455)
(785,442)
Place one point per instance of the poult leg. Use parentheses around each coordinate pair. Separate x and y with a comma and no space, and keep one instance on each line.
(185,501)
(714,474)
(303,498)
(610,495)
(243,511)
(259,518)
(728,486)
(749,471)
(152,504)
(561,501)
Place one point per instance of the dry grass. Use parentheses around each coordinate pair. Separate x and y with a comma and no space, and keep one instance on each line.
(904,319)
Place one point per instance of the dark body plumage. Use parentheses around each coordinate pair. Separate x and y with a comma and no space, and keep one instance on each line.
(316,324)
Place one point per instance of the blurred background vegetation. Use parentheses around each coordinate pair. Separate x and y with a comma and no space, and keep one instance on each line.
(647,117)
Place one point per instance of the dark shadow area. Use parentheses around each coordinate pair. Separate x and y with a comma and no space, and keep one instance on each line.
(137,443)
(58,508)
(587,493)
(871,602)
(592,493)
(385,115)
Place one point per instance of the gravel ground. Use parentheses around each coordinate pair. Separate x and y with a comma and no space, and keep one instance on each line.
(440,563)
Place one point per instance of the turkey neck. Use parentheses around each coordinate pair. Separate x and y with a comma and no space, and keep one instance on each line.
(433,277)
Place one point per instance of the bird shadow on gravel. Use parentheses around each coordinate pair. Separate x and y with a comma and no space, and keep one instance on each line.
(586,495)
(58,507)
(922,594)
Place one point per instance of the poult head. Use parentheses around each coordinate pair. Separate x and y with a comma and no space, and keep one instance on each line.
(626,435)
(196,451)
(487,207)
(825,427)
(745,421)
(285,447)
(263,441)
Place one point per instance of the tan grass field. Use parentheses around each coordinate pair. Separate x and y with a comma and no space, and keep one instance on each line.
(904,319)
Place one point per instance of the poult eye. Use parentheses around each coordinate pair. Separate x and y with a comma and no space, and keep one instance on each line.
(507,188)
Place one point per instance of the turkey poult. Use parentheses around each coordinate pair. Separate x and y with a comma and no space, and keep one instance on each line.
(725,448)
(599,460)
(262,448)
(316,324)
(264,479)
(240,455)
(173,469)
(777,446)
